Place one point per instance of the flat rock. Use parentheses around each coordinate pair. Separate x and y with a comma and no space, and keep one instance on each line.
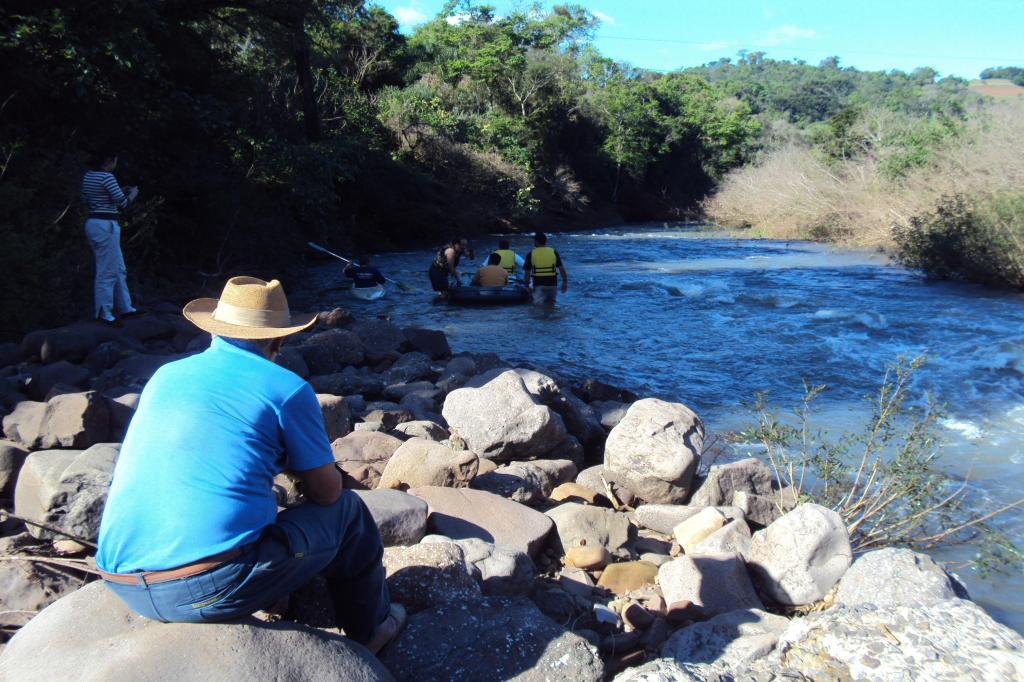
(420,462)
(627,576)
(363,455)
(663,518)
(492,639)
(120,646)
(698,527)
(401,518)
(718,583)
(574,492)
(589,558)
(655,450)
(465,513)
(580,524)
(800,557)
(896,576)
(429,574)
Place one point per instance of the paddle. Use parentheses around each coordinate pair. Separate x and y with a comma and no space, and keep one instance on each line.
(400,285)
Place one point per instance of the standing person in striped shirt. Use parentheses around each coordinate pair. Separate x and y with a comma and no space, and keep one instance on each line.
(105,199)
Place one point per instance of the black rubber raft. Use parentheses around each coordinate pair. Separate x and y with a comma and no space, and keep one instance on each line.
(507,295)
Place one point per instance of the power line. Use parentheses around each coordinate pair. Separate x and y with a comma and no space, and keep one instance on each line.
(812,50)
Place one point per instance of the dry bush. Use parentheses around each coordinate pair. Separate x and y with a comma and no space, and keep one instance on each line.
(794,193)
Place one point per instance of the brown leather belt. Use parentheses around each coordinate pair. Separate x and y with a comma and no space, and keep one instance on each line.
(186,571)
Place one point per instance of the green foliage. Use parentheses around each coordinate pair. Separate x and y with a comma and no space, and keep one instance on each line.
(1011,73)
(974,239)
(885,480)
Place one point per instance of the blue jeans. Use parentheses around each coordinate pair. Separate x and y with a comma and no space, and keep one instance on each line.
(340,541)
(111,286)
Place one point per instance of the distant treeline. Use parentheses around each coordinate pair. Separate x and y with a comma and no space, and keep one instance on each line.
(252,126)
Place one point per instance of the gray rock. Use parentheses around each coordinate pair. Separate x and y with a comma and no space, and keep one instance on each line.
(420,462)
(424,389)
(728,641)
(401,518)
(663,518)
(749,475)
(43,379)
(501,571)
(66,489)
(667,670)
(92,635)
(72,342)
(761,510)
(577,524)
(362,455)
(655,450)
(23,423)
(591,477)
(609,412)
(592,390)
(291,359)
(122,409)
(526,482)
(492,639)
(337,417)
(465,513)
(950,640)
(408,368)
(423,407)
(379,337)
(799,558)
(458,371)
(430,341)
(896,577)
(331,351)
(350,380)
(502,421)
(28,587)
(732,538)
(74,420)
(421,428)
(12,456)
(718,583)
(429,574)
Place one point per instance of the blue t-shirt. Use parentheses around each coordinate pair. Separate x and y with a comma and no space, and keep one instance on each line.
(195,473)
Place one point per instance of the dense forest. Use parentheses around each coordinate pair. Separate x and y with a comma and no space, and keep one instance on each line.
(252,126)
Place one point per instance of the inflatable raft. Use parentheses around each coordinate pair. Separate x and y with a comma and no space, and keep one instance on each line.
(507,295)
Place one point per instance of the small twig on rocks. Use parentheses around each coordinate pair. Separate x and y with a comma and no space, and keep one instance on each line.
(4,515)
(77,565)
(616,503)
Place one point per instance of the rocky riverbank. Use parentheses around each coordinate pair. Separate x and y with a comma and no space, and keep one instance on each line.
(536,529)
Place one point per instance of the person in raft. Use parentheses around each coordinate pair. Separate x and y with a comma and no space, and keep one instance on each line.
(104,199)
(492,274)
(364,275)
(191,532)
(444,269)
(543,262)
(510,260)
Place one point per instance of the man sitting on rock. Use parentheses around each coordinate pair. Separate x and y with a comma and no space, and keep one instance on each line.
(191,531)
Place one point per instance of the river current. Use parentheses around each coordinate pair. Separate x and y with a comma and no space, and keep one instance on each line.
(711,320)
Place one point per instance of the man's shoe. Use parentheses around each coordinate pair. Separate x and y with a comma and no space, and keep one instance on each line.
(134,312)
(388,629)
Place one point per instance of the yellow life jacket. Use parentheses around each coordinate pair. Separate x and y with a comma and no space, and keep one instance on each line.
(543,260)
(508,259)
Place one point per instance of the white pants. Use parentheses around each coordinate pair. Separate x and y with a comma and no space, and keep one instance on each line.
(112,296)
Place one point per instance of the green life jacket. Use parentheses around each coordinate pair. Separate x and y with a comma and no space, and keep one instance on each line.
(508,259)
(543,260)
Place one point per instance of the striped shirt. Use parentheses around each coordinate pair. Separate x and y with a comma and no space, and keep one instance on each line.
(102,194)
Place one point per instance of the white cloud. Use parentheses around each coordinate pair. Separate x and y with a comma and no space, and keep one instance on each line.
(605,18)
(456,19)
(410,15)
(717,45)
(787,34)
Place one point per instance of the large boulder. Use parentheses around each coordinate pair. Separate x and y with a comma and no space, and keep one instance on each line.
(337,416)
(502,571)
(949,640)
(495,638)
(72,342)
(464,513)
(331,351)
(27,587)
(502,421)
(408,368)
(800,557)
(655,450)
(92,635)
(420,462)
(733,537)
(362,455)
(526,482)
(380,337)
(717,583)
(66,489)
(74,420)
(429,574)
(728,641)
(430,341)
(896,576)
(582,524)
(749,475)
(401,518)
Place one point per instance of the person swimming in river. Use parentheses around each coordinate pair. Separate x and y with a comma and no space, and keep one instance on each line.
(444,271)
(364,275)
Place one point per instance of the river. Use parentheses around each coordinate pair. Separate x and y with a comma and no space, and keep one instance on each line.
(711,320)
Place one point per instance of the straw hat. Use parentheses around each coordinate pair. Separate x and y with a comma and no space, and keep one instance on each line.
(248,308)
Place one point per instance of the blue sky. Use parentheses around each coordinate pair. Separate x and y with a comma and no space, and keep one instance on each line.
(956,37)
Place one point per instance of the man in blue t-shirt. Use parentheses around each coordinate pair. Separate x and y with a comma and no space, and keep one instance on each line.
(191,531)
